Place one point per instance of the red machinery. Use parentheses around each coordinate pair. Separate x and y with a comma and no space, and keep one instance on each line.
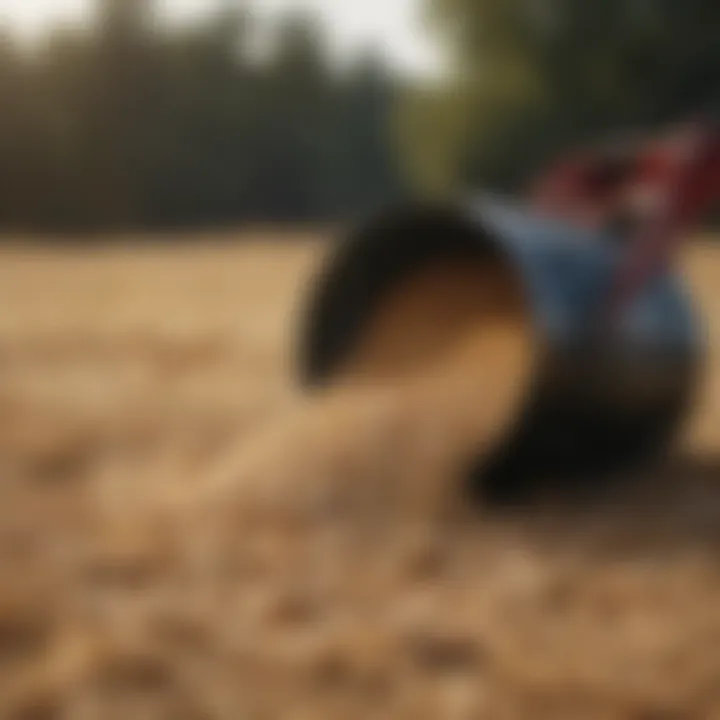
(654,190)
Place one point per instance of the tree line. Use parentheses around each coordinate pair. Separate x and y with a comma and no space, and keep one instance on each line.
(128,124)
(132,124)
(534,78)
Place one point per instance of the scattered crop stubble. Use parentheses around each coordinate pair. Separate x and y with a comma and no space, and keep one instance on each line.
(183,536)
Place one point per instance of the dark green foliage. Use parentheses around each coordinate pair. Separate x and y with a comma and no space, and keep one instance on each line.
(139,126)
(135,125)
(536,77)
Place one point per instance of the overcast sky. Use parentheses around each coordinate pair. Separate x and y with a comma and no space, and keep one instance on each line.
(390,25)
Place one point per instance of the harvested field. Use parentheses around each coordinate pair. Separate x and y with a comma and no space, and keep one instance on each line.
(182,535)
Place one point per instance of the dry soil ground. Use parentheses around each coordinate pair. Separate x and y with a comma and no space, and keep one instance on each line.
(182,536)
